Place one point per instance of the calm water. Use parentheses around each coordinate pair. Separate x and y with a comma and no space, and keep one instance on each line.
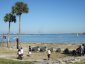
(49,38)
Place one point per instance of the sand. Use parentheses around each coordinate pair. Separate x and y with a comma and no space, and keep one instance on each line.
(11,53)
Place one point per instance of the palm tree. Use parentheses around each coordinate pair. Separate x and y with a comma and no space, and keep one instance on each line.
(18,9)
(9,18)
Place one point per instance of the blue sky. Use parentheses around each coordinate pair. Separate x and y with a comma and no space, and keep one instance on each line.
(46,16)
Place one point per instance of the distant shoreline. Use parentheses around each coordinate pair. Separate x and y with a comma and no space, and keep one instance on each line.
(43,34)
(54,42)
(50,42)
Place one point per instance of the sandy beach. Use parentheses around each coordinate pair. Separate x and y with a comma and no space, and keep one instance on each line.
(11,53)
(38,55)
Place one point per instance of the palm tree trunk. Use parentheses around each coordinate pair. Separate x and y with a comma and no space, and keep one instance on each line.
(18,43)
(19,25)
(8,44)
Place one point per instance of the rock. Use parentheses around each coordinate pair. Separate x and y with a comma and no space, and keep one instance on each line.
(58,50)
(43,49)
(35,49)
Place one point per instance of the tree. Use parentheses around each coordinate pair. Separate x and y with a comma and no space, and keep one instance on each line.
(18,9)
(9,18)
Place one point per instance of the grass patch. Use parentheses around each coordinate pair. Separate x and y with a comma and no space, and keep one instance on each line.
(4,50)
(82,62)
(7,61)
(79,63)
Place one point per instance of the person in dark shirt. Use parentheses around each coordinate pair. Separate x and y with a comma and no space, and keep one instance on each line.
(30,51)
(17,40)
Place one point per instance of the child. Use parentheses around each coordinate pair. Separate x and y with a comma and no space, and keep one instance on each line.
(30,51)
(49,53)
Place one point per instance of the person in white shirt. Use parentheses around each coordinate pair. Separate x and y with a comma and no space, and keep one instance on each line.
(82,50)
(20,53)
(49,53)
(21,50)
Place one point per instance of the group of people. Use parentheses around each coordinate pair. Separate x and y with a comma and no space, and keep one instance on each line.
(48,52)
(80,51)
(20,53)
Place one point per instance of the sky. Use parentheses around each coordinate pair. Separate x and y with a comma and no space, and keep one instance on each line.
(46,16)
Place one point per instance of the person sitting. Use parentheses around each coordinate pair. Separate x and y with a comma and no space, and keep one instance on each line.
(19,54)
(21,51)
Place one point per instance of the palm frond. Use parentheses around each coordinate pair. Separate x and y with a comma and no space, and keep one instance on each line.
(20,8)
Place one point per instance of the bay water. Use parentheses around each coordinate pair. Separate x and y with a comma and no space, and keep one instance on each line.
(47,38)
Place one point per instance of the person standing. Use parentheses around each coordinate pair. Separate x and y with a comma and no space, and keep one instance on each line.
(17,40)
(49,53)
(3,39)
(30,51)
(82,50)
